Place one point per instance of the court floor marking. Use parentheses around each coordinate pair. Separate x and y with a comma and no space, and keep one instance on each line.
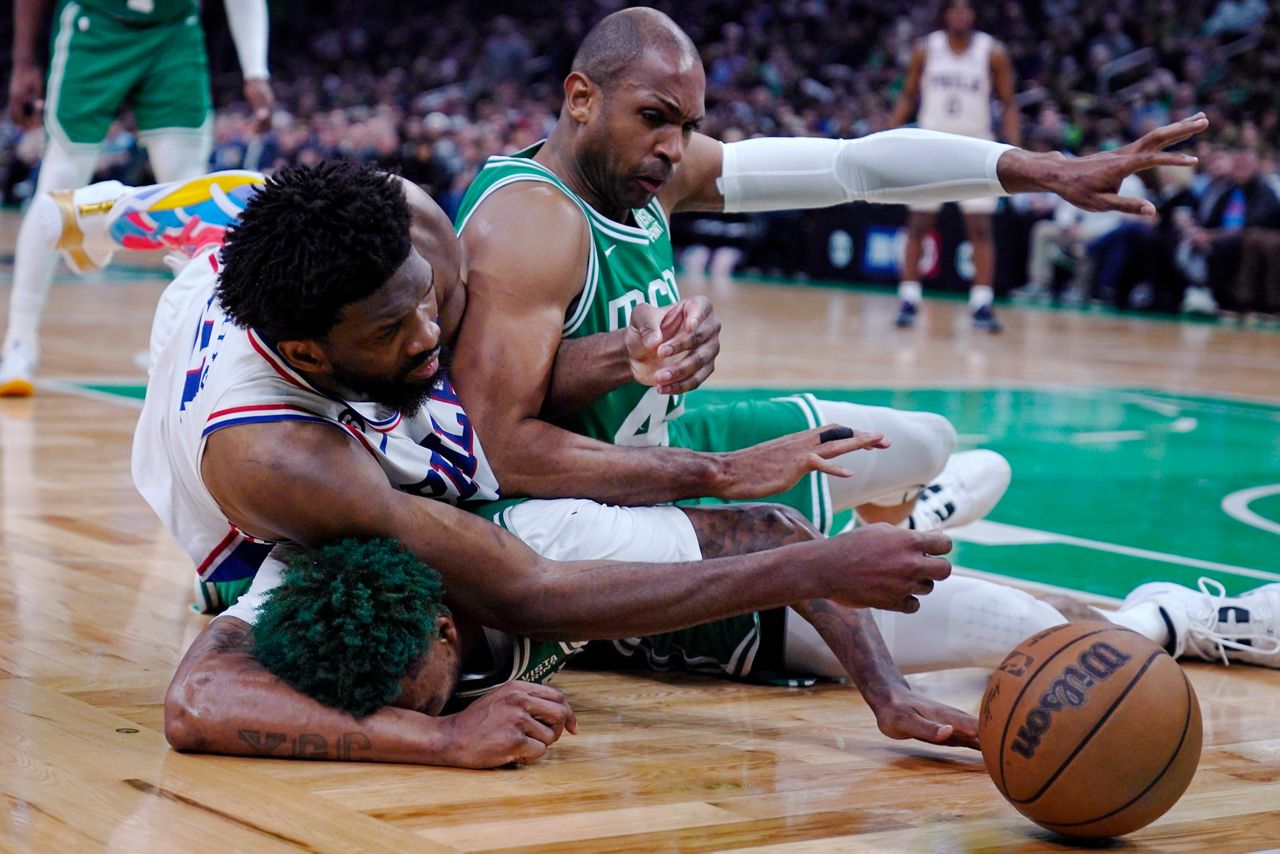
(987,533)
(71,387)
(1236,505)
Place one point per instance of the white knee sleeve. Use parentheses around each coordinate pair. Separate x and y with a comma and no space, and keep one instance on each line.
(921,444)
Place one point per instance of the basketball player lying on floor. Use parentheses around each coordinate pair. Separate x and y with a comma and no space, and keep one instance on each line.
(356,656)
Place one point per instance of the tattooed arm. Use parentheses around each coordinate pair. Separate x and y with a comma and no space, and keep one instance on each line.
(222,700)
(850,633)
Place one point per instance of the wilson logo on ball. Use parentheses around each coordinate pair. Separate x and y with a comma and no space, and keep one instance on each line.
(1070,690)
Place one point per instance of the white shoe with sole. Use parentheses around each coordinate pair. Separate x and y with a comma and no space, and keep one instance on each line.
(1209,625)
(970,486)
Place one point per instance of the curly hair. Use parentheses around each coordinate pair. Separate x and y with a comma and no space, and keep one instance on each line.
(312,240)
(348,621)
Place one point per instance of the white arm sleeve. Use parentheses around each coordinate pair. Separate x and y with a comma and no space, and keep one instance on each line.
(248,22)
(904,166)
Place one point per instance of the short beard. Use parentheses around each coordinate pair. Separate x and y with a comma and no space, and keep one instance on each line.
(401,394)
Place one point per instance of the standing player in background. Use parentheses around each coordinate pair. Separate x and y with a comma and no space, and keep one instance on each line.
(952,73)
(105,55)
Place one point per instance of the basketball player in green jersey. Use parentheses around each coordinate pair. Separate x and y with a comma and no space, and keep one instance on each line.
(570,238)
(105,55)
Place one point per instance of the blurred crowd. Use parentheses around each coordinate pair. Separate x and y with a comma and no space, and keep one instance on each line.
(432,91)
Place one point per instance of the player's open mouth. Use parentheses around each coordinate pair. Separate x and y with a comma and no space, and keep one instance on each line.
(427,369)
(650,185)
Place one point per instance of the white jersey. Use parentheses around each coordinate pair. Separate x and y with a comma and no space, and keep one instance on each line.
(207,373)
(955,89)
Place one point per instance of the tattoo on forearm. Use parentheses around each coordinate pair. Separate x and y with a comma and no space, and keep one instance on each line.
(854,639)
(748,528)
(304,745)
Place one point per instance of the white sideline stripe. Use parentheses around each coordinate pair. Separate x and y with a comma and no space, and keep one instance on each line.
(91,394)
(989,533)
(1236,505)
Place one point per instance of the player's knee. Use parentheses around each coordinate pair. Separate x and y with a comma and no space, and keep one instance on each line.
(938,439)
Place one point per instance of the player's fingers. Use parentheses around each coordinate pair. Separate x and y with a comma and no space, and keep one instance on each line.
(673,319)
(935,568)
(922,587)
(910,724)
(934,542)
(817,463)
(690,383)
(534,728)
(647,322)
(909,605)
(964,727)
(1123,204)
(548,713)
(1172,134)
(529,750)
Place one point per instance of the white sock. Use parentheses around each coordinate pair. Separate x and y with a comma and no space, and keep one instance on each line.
(1144,618)
(981,295)
(911,292)
(178,154)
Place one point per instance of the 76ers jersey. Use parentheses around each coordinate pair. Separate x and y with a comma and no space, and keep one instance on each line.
(955,89)
(208,374)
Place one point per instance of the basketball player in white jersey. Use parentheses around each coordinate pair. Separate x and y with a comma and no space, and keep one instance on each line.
(148,54)
(953,75)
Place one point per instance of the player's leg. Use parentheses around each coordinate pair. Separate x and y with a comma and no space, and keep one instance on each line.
(910,292)
(172,103)
(85,88)
(1209,625)
(977,223)
(33,266)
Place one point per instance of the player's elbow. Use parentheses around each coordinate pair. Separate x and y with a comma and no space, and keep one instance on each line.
(187,706)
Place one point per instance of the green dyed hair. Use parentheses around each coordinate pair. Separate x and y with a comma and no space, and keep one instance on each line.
(348,621)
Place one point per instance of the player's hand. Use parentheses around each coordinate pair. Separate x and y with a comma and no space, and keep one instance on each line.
(261,100)
(905,714)
(26,96)
(512,724)
(880,566)
(673,348)
(777,465)
(1093,183)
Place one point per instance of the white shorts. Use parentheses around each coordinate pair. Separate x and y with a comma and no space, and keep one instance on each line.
(969,206)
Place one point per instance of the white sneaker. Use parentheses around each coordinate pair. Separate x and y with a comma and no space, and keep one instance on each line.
(1198,299)
(1209,625)
(970,486)
(75,223)
(17,370)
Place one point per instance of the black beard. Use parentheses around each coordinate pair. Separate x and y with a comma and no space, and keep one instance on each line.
(401,394)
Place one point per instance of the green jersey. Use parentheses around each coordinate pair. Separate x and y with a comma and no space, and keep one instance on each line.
(628,264)
(143,11)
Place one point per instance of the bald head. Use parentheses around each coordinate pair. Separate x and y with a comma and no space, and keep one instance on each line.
(617,42)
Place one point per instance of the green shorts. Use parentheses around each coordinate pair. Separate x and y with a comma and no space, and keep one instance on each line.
(100,64)
(733,426)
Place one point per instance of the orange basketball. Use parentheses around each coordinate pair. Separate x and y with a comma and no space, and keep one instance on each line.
(1090,730)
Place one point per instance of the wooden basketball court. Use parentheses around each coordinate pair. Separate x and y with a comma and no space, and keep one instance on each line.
(94,611)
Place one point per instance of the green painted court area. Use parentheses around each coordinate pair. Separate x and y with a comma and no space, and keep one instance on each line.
(1111,487)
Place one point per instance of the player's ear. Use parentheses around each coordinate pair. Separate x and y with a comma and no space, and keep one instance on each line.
(580,96)
(447,629)
(305,355)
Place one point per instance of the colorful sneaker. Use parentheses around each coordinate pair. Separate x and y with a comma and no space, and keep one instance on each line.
(89,224)
(182,215)
(970,486)
(17,370)
(1209,625)
(984,318)
(907,312)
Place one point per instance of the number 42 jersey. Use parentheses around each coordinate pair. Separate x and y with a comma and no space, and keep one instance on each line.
(208,374)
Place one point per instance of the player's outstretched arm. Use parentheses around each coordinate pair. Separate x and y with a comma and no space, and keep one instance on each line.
(851,634)
(909,166)
(222,700)
(312,484)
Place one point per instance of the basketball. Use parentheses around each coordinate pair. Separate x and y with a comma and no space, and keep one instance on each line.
(1090,730)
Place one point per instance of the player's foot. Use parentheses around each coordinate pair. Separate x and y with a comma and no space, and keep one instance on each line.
(88,225)
(1212,626)
(17,369)
(972,483)
(907,312)
(984,318)
(75,223)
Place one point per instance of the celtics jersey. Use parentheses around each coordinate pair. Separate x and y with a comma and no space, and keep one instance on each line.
(628,264)
(143,11)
